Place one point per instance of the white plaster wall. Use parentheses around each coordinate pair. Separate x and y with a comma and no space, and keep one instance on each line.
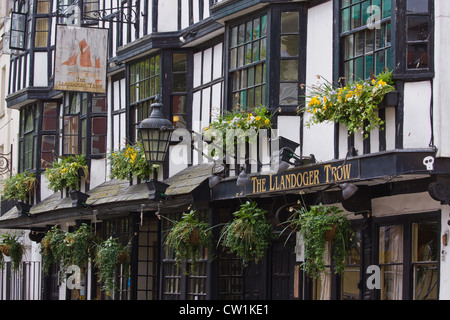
(167,15)
(416,124)
(442,77)
(318,139)
(98,172)
(40,69)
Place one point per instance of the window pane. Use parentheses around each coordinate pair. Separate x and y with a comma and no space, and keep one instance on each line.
(43,6)
(391,244)
(179,82)
(47,150)
(41,32)
(425,241)
(179,62)
(71,125)
(289,46)
(98,139)
(356,17)
(289,22)
(417,56)
(391,282)
(425,282)
(288,94)
(99,104)
(417,28)
(417,6)
(289,70)
(179,104)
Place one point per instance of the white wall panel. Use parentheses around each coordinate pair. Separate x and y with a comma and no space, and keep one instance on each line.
(207,58)
(417,125)
(218,61)
(197,69)
(40,69)
(167,15)
(319,139)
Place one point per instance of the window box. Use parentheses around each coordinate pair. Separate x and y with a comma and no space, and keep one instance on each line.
(389,100)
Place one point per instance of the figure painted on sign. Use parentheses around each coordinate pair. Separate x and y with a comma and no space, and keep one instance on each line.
(83,57)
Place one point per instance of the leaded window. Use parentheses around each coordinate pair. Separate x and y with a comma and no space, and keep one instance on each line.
(365,34)
(144,87)
(248,51)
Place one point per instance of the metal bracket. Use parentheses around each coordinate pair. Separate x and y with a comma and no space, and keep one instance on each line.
(6,162)
(75,16)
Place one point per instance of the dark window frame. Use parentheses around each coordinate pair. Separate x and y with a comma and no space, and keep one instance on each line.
(140,107)
(363,29)
(83,113)
(402,71)
(271,77)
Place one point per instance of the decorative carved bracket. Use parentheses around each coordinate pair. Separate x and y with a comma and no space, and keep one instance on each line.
(439,189)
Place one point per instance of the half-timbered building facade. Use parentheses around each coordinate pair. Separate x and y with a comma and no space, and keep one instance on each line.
(201,58)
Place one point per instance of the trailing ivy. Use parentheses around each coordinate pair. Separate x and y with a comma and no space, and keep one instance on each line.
(249,234)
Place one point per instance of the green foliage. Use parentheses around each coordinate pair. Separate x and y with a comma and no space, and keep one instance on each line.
(187,237)
(130,161)
(65,173)
(109,254)
(240,124)
(67,248)
(313,225)
(13,248)
(19,186)
(355,105)
(249,234)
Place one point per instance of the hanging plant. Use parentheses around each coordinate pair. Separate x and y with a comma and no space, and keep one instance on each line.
(319,225)
(130,161)
(80,245)
(187,237)
(249,234)
(67,173)
(354,105)
(67,248)
(109,254)
(53,248)
(11,247)
(19,186)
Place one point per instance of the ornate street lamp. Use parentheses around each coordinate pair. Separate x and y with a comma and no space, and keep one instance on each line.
(155,133)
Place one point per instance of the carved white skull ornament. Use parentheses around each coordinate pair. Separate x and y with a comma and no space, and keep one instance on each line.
(429,162)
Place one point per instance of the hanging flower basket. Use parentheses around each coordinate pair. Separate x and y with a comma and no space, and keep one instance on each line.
(320,225)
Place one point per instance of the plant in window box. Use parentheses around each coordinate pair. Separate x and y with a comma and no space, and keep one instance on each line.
(240,123)
(67,173)
(319,225)
(249,234)
(11,247)
(130,161)
(19,187)
(187,237)
(354,105)
(109,254)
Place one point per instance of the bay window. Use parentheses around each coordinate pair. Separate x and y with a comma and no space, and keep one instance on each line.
(272,40)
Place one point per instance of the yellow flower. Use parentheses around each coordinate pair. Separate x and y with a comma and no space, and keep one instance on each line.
(267,121)
(381,82)
(258,118)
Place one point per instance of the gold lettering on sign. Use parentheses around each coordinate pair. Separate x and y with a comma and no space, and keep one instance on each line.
(321,175)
